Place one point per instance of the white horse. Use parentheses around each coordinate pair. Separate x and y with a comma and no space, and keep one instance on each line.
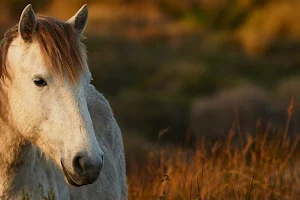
(58,135)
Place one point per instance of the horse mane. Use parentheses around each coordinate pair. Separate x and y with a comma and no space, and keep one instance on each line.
(60,45)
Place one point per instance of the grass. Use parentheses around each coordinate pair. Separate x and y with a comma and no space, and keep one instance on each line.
(264,166)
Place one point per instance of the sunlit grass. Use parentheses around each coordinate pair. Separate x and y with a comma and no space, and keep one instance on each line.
(259,167)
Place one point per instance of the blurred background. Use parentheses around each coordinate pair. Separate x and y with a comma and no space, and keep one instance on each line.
(175,69)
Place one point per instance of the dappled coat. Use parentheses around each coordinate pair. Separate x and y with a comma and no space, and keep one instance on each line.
(58,136)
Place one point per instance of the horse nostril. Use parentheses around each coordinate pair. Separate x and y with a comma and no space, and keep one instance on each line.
(78,165)
(87,166)
(102,158)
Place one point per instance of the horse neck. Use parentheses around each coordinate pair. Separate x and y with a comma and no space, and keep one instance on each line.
(13,149)
(17,157)
(22,167)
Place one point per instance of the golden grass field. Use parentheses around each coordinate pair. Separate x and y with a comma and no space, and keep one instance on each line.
(264,166)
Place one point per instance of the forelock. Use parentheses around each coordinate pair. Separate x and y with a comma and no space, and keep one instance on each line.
(60,46)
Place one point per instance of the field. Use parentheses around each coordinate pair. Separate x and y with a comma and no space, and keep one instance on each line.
(264,166)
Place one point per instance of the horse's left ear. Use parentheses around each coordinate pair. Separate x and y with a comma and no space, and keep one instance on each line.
(79,20)
(27,24)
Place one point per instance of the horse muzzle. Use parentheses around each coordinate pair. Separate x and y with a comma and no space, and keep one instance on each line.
(84,170)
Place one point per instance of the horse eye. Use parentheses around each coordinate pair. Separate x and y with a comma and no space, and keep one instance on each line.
(39,82)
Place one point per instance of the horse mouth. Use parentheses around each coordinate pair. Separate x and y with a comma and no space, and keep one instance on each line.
(68,177)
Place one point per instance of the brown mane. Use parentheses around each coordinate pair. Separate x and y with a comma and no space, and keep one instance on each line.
(59,43)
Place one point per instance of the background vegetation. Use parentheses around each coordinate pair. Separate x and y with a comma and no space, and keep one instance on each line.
(174,69)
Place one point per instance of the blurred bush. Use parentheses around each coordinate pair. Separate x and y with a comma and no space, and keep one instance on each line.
(213,117)
(246,107)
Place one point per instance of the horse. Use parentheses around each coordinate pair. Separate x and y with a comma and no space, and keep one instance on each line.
(59,138)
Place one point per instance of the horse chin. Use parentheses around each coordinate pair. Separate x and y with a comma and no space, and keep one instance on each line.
(68,178)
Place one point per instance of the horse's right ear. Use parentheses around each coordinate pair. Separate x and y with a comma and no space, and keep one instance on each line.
(79,20)
(27,24)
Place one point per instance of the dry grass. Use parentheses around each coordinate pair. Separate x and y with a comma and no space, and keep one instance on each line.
(264,166)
